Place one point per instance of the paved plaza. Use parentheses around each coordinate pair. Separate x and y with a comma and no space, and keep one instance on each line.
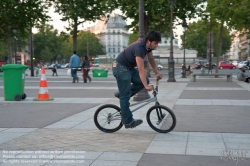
(213,125)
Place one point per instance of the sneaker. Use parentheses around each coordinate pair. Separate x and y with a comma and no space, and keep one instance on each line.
(134,123)
(117,94)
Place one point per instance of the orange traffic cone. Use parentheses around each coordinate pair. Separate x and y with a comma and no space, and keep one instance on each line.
(43,91)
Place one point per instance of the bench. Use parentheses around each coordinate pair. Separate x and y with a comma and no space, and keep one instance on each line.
(193,76)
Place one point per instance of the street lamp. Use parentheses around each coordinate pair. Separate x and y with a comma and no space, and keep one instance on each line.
(171,57)
(143,94)
(14,30)
(185,26)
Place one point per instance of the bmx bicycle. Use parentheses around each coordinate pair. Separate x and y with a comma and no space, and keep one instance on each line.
(160,118)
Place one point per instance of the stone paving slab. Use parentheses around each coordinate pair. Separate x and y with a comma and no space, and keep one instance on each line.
(37,115)
(181,160)
(210,83)
(215,102)
(87,140)
(231,119)
(72,93)
(213,94)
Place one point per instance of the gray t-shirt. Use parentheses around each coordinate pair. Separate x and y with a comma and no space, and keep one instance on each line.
(128,55)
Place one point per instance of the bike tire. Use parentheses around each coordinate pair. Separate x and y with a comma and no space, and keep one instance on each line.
(103,113)
(164,126)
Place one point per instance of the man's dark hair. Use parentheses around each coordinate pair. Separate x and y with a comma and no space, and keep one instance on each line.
(74,52)
(153,36)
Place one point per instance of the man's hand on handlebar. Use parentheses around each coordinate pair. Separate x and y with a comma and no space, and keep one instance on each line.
(149,87)
(159,76)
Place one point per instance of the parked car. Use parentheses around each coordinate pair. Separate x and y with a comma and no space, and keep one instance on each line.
(226,65)
(67,67)
(242,64)
(159,67)
(235,63)
(51,66)
(63,65)
(204,63)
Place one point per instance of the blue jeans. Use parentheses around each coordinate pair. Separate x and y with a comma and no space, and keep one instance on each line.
(74,74)
(129,83)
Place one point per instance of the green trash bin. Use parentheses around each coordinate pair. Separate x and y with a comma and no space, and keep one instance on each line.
(98,72)
(13,78)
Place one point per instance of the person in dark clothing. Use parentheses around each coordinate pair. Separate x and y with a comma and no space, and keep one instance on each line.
(86,69)
(131,80)
(54,70)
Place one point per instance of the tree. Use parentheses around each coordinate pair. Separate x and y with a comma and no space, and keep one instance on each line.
(24,14)
(133,37)
(3,50)
(157,14)
(48,43)
(196,37)
(234,13)
(79,11)
(88,40)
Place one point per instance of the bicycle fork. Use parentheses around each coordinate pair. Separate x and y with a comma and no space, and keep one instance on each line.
(160,115)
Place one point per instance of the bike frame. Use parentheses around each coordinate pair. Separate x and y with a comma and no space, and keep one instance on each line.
(146,101)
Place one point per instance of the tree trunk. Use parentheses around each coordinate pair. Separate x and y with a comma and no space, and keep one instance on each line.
(220,46)
(9,48)
(75,35)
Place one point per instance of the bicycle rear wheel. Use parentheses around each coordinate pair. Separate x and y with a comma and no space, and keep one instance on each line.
(107,118)
(161,119)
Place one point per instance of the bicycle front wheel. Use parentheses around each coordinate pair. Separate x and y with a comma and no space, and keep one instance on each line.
(161,119)
(107,118)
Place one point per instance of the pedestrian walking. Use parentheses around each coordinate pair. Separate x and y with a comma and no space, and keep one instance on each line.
(54,70)
(74,64)
(86,69)
(131,80)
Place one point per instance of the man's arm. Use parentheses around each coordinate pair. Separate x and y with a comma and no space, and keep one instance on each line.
(153,64)
(142,73)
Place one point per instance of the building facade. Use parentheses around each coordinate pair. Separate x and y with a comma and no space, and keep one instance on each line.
(240,49)
(112,33)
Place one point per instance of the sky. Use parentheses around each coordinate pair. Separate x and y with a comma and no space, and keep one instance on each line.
(59,25)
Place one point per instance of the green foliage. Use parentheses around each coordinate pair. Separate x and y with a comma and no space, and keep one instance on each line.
(157,13)
(48,44)
(197,37)
(94,46)
(3,50)
(133,37)
(235,13)
(79,11)
(24,14)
